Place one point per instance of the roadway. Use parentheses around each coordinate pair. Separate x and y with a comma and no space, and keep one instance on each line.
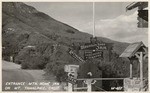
(12,73)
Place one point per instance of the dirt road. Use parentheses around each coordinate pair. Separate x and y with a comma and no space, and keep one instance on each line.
(12,73)
(15,76)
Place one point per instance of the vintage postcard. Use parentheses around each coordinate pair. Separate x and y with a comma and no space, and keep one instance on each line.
(74,46)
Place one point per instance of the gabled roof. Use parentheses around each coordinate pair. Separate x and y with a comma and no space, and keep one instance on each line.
(132,49)
(137,4)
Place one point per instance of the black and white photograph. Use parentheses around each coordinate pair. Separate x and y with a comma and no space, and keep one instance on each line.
(74,46)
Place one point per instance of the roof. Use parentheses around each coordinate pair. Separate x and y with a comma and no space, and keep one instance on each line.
(132,49)
(137,4)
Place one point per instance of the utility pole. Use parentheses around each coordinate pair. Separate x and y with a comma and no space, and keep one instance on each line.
(93,19)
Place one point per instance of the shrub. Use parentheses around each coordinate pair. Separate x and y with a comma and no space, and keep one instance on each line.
(24,65)
(57,68)
(70,31)
(34,62)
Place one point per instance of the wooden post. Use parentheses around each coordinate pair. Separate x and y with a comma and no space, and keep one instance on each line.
(69,87)
(89,88)
(69,84)
(75,76)
(11,58)
(141,69)
(72,70)
(131,68)
(140,58)
(89,85)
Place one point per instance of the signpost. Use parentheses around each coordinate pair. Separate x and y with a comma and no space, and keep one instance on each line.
(89,83)
(72,75)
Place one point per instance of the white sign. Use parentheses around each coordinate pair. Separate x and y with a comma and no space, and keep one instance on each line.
(71,68)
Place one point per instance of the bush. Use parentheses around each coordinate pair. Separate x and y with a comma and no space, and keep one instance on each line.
(34,62)
(70,31)
(57,68)
(24,65)
(31,59)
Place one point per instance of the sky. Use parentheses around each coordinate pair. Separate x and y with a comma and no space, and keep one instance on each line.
(111,19)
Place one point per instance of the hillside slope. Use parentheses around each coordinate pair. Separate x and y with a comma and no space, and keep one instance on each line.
(37,41)
(27,26)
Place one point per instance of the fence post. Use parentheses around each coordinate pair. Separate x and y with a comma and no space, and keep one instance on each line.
(89,84)
(11,59)
(141,69)
(69,87)
(131,63)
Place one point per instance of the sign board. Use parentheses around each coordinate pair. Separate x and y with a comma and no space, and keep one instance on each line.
(71,80)
(71,68)
(132,84)
(75,56)
(93,50)
(96,46)
(93,54)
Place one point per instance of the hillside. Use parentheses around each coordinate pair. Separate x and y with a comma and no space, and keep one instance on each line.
(37,41)
(28,26)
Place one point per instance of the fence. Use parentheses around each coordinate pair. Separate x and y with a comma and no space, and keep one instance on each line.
(110,84)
